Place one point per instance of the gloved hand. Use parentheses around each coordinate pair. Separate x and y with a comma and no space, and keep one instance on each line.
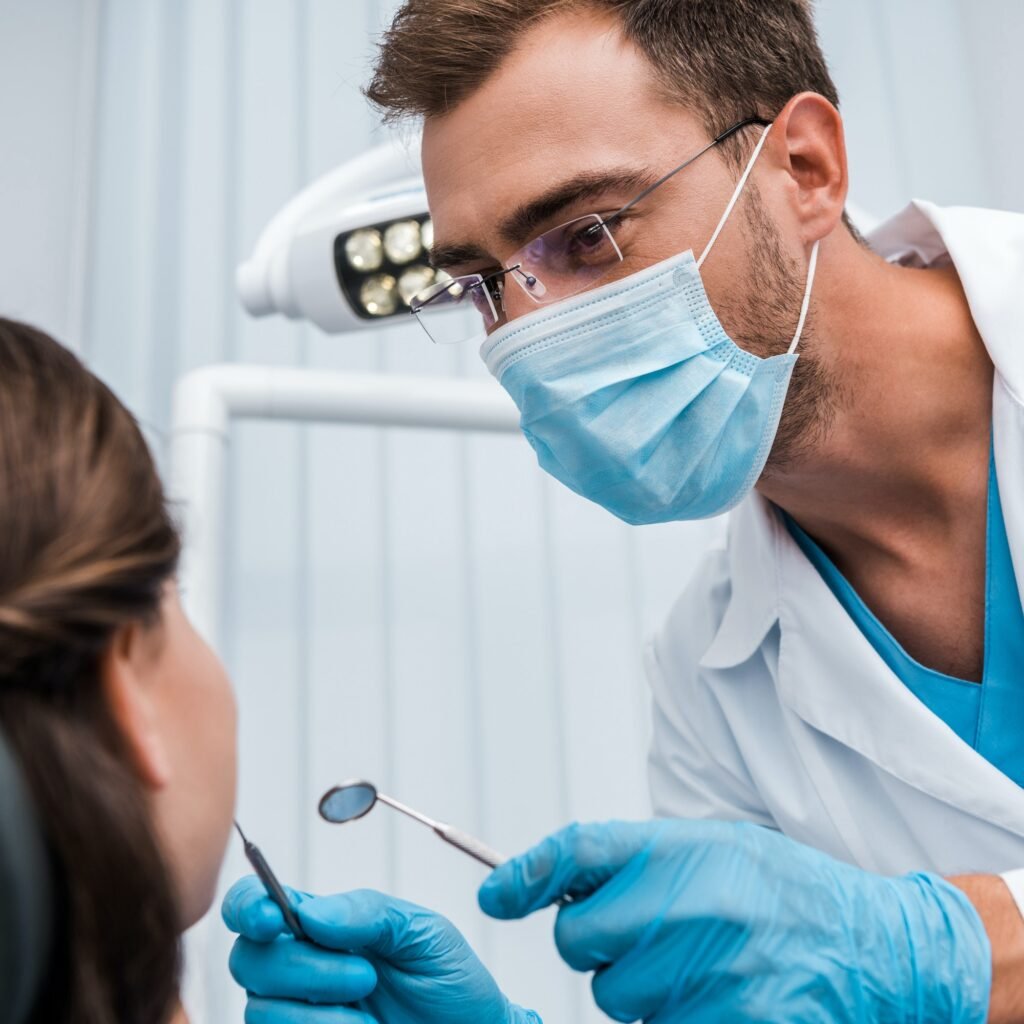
(377,960)
(708,922)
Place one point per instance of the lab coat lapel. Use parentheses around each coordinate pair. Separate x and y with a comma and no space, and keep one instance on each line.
(987,249)
(752,609)
(1008,439)
(832,678)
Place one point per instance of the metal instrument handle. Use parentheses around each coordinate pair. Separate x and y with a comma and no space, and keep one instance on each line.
(480,851)
(274,889)
(467,844)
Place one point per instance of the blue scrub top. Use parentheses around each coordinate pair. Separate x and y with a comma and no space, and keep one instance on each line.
(988,715)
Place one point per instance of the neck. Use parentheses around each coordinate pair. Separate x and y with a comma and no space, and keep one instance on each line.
(907,442)
(179,1016)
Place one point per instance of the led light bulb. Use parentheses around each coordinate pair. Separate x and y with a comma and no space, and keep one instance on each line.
(379,295)
(427,233)
(364,250)
(402,242)
(414,281)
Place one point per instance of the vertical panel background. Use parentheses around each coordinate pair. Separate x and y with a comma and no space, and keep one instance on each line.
(423,609)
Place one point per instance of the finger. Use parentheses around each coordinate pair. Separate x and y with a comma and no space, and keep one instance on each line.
(611,923)
(619,934)
(374,923)
(631,992)
(574,862)
(249,911)
(279,1011)
(298,970)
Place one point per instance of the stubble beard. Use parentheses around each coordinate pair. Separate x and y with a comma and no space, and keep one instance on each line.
(765,326)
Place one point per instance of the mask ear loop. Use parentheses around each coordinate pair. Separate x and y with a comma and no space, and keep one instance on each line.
(804,309)
(812,267)
(735,197)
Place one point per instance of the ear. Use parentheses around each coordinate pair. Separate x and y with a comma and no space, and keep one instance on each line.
(126,671)
(810,146)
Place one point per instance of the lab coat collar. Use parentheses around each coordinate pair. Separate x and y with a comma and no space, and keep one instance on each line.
(987,249)
(832,678)
(753,606)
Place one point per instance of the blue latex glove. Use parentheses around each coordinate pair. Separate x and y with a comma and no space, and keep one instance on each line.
(377,960)
(708,922)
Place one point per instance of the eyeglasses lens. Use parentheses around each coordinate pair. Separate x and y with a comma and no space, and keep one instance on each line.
(560,263)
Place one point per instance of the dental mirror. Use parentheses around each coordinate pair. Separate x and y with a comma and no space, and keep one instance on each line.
(347,802)
(356,798)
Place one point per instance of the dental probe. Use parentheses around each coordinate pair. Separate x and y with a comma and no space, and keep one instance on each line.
(274,888)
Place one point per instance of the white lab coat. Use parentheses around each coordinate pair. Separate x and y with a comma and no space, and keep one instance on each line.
(769,703)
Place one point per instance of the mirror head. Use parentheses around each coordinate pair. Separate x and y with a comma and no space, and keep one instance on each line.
(348,801)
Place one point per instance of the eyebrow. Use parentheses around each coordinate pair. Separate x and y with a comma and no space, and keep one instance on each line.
(524,221)
(521,225)
(443,255)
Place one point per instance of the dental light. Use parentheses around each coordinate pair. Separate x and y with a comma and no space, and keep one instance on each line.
(350,251)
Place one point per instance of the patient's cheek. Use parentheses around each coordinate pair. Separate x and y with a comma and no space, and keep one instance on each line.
(195,812)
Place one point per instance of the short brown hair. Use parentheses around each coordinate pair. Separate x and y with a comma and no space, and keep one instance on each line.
(727,59)
(86,546)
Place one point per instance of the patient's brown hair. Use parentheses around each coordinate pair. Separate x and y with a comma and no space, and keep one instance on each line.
(86,546)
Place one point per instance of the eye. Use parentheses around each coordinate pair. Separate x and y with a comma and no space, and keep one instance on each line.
(590,244)
(589,236)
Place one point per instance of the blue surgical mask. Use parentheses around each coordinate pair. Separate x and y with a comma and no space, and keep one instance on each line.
(634,396)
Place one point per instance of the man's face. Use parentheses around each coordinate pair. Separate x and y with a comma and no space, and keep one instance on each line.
(575,122)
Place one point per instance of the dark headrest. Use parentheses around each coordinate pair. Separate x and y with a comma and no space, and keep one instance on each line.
(26,898)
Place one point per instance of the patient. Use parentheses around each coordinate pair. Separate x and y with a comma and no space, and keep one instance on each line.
(121,718)
(121,722)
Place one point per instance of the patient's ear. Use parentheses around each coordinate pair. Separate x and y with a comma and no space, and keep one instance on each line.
(128,674)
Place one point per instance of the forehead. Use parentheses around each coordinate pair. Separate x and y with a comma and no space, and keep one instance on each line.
(575,96)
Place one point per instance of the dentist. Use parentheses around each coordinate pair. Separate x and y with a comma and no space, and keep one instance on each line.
(644,201)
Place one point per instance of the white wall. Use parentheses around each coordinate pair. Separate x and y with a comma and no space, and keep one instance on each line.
(424,610)
(48,58)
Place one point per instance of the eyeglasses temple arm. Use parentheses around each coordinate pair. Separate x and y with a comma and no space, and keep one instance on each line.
(728,133)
